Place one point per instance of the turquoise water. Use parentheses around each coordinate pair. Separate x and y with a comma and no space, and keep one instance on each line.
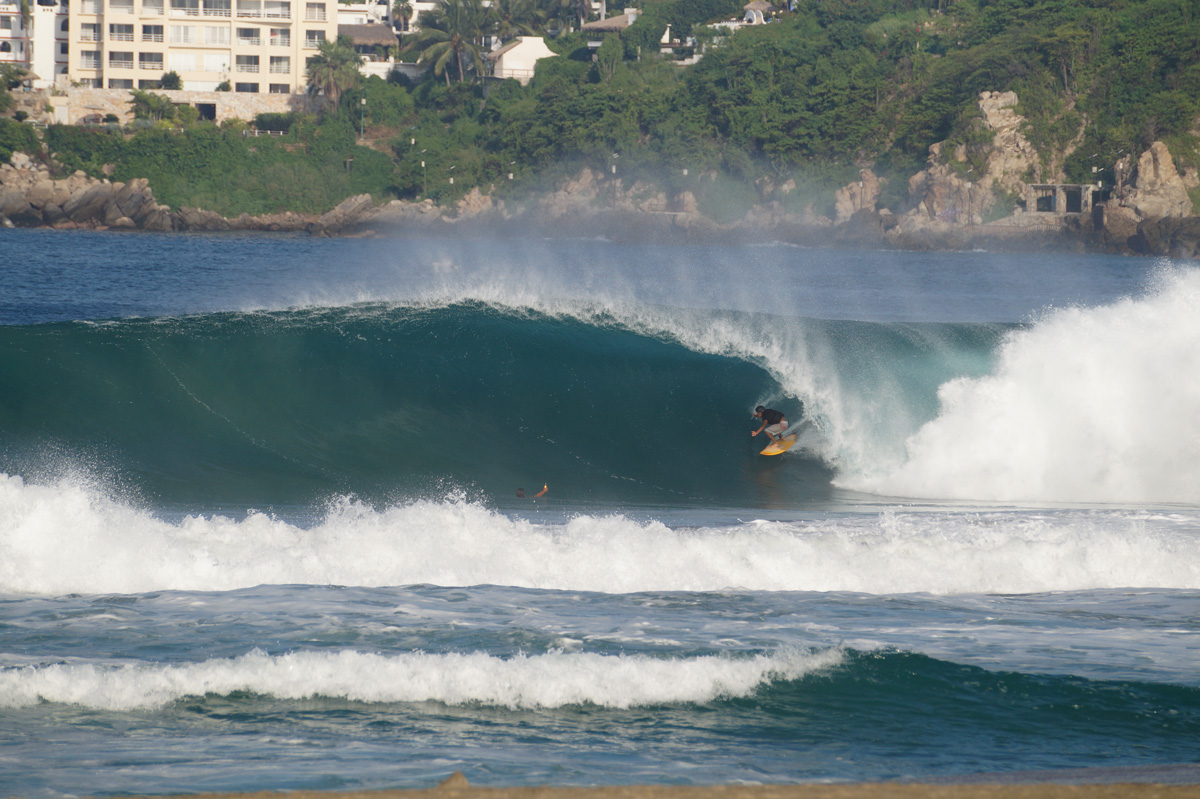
(258,523)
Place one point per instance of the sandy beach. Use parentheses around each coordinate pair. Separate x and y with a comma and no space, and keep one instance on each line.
(457,788)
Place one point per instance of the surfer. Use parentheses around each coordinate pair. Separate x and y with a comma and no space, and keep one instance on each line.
(545,488)
(774,422)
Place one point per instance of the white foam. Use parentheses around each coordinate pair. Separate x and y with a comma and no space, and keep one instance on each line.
(1088,405)
(66,538)
(550,680)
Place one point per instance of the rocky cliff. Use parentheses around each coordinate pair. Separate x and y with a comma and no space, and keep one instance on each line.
(985,197)
(30,197)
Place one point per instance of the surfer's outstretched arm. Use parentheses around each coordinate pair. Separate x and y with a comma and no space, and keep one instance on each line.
(545,488)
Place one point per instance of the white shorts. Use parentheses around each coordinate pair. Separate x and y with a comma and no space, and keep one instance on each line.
(776,429)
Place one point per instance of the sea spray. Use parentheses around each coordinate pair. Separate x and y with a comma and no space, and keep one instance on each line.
(1088,405)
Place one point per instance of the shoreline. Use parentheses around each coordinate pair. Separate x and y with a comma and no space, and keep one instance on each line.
(457,787)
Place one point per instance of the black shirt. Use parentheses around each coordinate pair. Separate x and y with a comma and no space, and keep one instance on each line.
(772,416)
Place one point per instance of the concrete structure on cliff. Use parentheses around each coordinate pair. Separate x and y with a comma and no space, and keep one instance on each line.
(256,46)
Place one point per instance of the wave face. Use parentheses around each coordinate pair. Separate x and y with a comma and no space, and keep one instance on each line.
(386,402)
(612,403)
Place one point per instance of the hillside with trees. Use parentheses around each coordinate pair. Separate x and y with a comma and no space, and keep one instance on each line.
(825,90)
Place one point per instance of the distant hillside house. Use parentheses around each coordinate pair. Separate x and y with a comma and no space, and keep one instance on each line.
(600,28)
(372,43)
(518,58)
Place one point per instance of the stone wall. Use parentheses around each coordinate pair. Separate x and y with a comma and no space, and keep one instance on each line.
(75,106)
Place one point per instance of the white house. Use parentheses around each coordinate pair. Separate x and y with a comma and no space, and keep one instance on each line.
(518,58)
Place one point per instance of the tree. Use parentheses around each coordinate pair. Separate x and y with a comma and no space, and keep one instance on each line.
(402,10)
(171,80)
(147,105)
(512,18)
(333,70)
(452,33)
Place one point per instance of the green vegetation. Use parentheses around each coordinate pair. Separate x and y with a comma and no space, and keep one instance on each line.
(833,87)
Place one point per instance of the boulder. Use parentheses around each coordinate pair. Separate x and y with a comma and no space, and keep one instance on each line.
(347,212)
(861,195)
(199,219)
(41,193)
(13,203)
(1158,188)
(88,204)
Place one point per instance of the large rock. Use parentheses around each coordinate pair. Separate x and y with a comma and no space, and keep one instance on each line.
(859,196)
(89,204)
(13,203)
(1158,188)
(199,219)
(1012,156)
(41,193)
(347,212)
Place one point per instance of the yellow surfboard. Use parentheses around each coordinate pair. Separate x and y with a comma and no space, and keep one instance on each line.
(777,447)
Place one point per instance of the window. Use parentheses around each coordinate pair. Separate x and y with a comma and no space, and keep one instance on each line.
(65,26)
(216,8)
(313,39)
(152,33)
(183,34)
(248,37)
(216,35)
(89,59)
(281,65)
(120,61)
(249,8)
(314,12)
(120,83)
(275,9)
(120,33)
(90,7)
(281,37)
(280,88)
(64,48)
(6,23)
(246,88)
(182,62)
(90,83)
(149,84)
(121,6)
(189,7)
(215,62)
(246,63)
(89,32)
(150,61)
(152,7)
(5,47)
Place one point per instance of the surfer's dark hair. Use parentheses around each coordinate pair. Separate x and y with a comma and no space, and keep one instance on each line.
(759,409)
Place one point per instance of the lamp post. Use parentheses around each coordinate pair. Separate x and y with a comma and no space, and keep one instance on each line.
(424,182)
(362,119)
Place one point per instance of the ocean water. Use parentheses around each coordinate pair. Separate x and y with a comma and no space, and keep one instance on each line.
(259,525)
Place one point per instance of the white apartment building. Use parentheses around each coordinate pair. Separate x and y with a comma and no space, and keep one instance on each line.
(257,46)
(42,46)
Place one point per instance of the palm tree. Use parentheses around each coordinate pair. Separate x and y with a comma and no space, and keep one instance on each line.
(334,69)
(511,18)
(452,32)
(402,10)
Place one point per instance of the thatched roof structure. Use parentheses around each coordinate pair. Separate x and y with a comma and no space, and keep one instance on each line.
(369,35)
(611,25)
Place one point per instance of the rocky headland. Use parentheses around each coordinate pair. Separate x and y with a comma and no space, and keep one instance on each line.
(1014,200)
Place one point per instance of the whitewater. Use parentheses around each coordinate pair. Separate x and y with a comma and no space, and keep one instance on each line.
(259,526)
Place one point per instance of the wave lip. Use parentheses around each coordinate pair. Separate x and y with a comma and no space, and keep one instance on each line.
(550,680)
